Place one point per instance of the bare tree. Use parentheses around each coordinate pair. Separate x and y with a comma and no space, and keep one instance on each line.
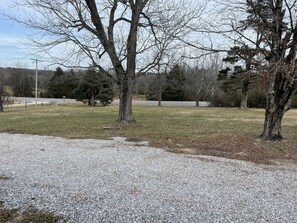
(201,76)
(22,83)
(165,63)
(121,33)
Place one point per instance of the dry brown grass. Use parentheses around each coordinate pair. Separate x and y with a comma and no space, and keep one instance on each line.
(30,215)
(4,178)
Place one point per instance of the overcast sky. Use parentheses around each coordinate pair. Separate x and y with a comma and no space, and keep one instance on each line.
(11,35)
(13,49)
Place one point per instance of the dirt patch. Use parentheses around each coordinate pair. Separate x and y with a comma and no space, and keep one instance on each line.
(5,177)
(30,215)
(240,147)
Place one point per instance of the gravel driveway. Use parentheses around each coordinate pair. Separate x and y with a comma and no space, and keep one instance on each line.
(118,181)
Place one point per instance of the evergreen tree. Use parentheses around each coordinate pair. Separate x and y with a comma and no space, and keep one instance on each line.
(62,84)
(243,76)
(55,85)
(175,85)
(94,87)
(70,84)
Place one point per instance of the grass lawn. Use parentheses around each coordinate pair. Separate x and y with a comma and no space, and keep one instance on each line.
(225,132)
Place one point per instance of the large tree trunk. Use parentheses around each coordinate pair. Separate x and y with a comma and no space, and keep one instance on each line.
(244,99)
(272,124)
(279,98)
(125,107)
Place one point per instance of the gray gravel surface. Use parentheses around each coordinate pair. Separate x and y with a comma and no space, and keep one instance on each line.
(118,181)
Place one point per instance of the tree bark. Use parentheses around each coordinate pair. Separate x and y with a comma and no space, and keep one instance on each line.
(159,98)
(160,91)
(197,102)
(245,89)
(243,103)
(272,123)
(1,104)
(125,108)
(93,100)
(278,102)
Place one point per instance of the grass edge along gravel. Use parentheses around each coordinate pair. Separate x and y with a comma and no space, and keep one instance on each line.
(223,132)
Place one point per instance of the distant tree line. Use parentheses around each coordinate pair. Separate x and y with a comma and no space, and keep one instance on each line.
(88,86)
(20,82)
(222,87)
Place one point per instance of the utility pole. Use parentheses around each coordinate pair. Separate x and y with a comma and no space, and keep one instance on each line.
(36,79)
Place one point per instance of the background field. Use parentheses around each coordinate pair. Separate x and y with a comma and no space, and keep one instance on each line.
(225,132)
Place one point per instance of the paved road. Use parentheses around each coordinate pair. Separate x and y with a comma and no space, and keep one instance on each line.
(44,100)
(115,102)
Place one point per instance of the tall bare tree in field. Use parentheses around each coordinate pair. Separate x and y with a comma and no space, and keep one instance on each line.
(121,34)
